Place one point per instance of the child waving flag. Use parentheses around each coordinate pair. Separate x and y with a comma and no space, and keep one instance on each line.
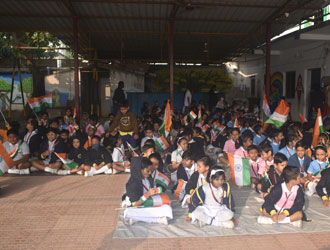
(39,103)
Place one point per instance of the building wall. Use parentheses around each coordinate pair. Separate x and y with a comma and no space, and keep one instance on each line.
(295,56)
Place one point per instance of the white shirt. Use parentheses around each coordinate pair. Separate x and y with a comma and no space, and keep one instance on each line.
(118,154)
(175,156)
(24,150)
(143,141)
(186,96)
(217,192)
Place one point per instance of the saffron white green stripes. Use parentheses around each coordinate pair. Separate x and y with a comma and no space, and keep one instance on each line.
(240,170)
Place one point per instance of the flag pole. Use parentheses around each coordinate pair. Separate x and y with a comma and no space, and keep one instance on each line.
(35,114)
(3,116)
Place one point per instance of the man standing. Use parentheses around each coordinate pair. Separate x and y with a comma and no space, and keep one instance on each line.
(187,101)
(118,97)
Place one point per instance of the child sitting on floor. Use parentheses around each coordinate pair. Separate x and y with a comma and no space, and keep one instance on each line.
(19,152)
(289,149)
(274,175)
(245,141)
(98,160)
(315,169)
(142,196)
(160,179)
(323,187)
(254,165)
(212,203)
(285,202)
(120,162)
(266,159)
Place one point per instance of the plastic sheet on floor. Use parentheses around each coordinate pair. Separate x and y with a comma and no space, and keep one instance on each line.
(248,204)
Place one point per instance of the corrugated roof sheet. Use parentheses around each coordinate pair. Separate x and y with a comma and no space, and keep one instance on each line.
(139,30)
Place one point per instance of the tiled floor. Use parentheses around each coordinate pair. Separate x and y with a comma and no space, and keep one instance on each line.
(74,212)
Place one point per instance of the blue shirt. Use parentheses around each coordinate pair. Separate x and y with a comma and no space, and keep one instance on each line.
(316,166)
(230,124)
(257,139)
(287,152)
(276,147)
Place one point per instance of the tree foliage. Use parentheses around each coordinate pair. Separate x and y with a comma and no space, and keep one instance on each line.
(4,85)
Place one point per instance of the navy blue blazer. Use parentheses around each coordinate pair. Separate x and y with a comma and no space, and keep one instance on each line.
(293,161)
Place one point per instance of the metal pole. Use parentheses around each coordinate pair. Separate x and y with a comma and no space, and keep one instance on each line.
(171,60)
(76,66)
(268,37)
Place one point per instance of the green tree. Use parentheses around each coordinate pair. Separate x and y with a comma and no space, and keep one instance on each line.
(27,85)
(4,85)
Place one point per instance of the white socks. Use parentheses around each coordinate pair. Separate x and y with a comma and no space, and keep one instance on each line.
(19,171)
(50,170)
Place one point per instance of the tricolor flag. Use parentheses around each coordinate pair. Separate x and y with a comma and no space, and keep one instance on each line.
(157,200)
(130,148)
(39,103)
(240,170)
(199,113)
(236,125)
(218,127)
(162,180)
(280,115)
(6,161)
(162,143)
(302,118)
(265,112)
(192,115)
(180,189)
(74,113)
(165,128)
(318,128)
(68,163)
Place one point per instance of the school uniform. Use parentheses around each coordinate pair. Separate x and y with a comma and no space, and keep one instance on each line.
(288,152)
(136,187)
(263,165)
(77,155)
(281,200)
(185,173)
(257,139)
(229,147)
(53,147)
(67,145)
(315,169)
(144,139)
(99,129)
(254,168)
(196,180)
(323,186)
(241,152)
(96,157)
(212,205)
(16,151)
(275,146)
(302,164)
(33,140)
(118,154)
(273,179)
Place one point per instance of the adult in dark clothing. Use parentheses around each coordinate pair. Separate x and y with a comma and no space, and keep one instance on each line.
(118,97)
(213,99)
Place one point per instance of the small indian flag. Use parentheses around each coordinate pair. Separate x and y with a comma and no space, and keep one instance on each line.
(199,113)
(162,143)
(162,180)
(68,163)
(302,118)
(318,128)
(192,115)
(236,125)
(180,189)
(280,115)
(157,200)
(265,112)
(6,161)
(39,103)
(218,126)
(240,170)
(165,128)
(130,148)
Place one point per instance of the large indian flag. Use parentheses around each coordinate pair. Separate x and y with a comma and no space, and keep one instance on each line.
(162,143)
(318,128)
(162,180)
(240,170)
(157,200)
(280,115)
(6,161)
(165,128)
(67,162)
(39,103)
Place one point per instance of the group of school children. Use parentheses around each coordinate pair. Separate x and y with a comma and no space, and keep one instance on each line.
(283,165)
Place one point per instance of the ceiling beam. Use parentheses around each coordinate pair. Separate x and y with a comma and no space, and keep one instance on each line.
(190,4)
(151,18)
(149,32)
